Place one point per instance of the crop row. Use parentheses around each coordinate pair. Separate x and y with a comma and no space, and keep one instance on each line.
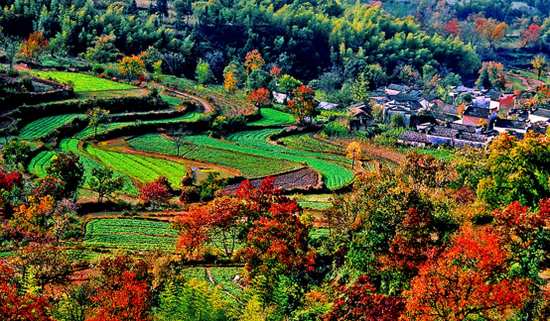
(273,117)
(39,163)
(103,128)
(132,242)
(142,168)
(82,82)
(309,143)
(43,126)
(335,175)
(250,166)
(72,145)
(128,226)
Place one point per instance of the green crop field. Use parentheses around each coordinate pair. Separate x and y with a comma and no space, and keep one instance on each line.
(38,164)
(130,234)
(253,142)
(309,143)
(71,145)
(273,117)
(103,128)
(143,168)
(250,166)
(43,126)
(82,82)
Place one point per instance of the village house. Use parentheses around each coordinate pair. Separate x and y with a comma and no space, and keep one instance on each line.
(539,115)
(475,115)
(360,117)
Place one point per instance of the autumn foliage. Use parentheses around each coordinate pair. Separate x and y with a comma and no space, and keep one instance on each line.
(259,97)
(531,35)
(253,61)
(360,302)
(156,192)
(304,104)
(14,306)
(34,46)
(468,280)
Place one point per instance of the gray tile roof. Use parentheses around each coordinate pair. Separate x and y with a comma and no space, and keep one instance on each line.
(414,137)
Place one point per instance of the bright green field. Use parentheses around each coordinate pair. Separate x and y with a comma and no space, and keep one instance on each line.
(253,142)
(82,82)
(144,169)
(273,117)
(250,166)
(71,145)
(309,143)
(43,126)
(89,131)
(130,234)
(39,164)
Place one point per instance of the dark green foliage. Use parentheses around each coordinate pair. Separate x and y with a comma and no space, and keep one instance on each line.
(16,152)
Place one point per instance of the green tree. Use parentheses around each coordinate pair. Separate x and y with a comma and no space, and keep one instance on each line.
(16,152)
(96,117)
(203,73)
(360,89)
(103,50)
(491,75)
(103,182)
(288,83)
(259,79)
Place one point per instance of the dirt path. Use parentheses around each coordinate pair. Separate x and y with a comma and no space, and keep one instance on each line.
(207,107)
(209,274)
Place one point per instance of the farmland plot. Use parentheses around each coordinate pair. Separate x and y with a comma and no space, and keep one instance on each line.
(43,126)
(130,234)
(250,166)
(82,82)
(273,117)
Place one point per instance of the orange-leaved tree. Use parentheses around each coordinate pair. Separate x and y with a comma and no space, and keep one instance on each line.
(304,104)
(259,97)
(253,61)
(34,46)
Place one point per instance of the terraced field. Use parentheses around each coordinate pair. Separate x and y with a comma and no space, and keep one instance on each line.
(250,166)
(139,167)
(254,143)
(130,234)
(72,145)
(81,82)
(89,131)
(43,126)
(38,164)
(309,143)
(273,117)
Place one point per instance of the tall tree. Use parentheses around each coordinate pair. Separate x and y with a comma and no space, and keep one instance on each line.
(96,117)
(34,46)
(253,61)
(303,105)
(230,82)
(132,67)
(467,281)
(353,152)
(204,73)
(539,64)
(491,75)
(104,183)
(68,168)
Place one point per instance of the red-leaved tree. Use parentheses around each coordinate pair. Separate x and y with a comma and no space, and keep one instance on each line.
(360,302)
(127,299)
(156,192)
(468,281)
(276,244)
(259,97)
(16,307)
(531,35)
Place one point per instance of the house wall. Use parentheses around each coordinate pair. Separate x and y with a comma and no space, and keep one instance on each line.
(406,142)
(466,143)
(534,118)
(437,140)
(494,104)
(470,120)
